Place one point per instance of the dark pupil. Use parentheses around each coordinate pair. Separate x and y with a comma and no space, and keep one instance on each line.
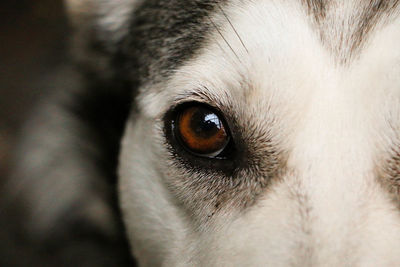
(204,123)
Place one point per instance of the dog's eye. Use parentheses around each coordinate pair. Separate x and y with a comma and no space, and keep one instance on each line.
(201,130)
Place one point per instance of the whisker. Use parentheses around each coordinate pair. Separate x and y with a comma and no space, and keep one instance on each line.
(234,29)
(220,33)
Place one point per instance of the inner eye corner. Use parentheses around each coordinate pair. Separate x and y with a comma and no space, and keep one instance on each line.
(200,129)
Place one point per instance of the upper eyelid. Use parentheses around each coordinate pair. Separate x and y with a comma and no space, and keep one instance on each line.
(204,96)
(198,96)
(225,110)
(194,95)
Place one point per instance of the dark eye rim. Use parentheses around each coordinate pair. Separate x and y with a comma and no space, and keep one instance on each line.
(170,129)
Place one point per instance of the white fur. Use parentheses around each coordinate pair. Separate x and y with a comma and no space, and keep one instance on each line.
(332,119)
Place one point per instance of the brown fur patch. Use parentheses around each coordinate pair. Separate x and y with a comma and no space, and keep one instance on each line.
(389,175)
(344,27)
(316,8)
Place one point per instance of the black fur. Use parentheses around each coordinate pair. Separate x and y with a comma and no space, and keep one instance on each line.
(165,34)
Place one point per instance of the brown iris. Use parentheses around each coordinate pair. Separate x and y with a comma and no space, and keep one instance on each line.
(202,131)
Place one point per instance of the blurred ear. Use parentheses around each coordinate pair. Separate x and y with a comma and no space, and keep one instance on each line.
(108,17)
(98,26)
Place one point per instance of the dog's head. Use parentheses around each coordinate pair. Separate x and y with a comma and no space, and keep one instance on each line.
(264,132)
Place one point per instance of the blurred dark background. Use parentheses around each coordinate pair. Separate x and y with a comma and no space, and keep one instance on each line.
(34,62)
(33,44)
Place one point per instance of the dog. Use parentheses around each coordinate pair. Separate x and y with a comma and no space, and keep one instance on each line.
(220,133)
